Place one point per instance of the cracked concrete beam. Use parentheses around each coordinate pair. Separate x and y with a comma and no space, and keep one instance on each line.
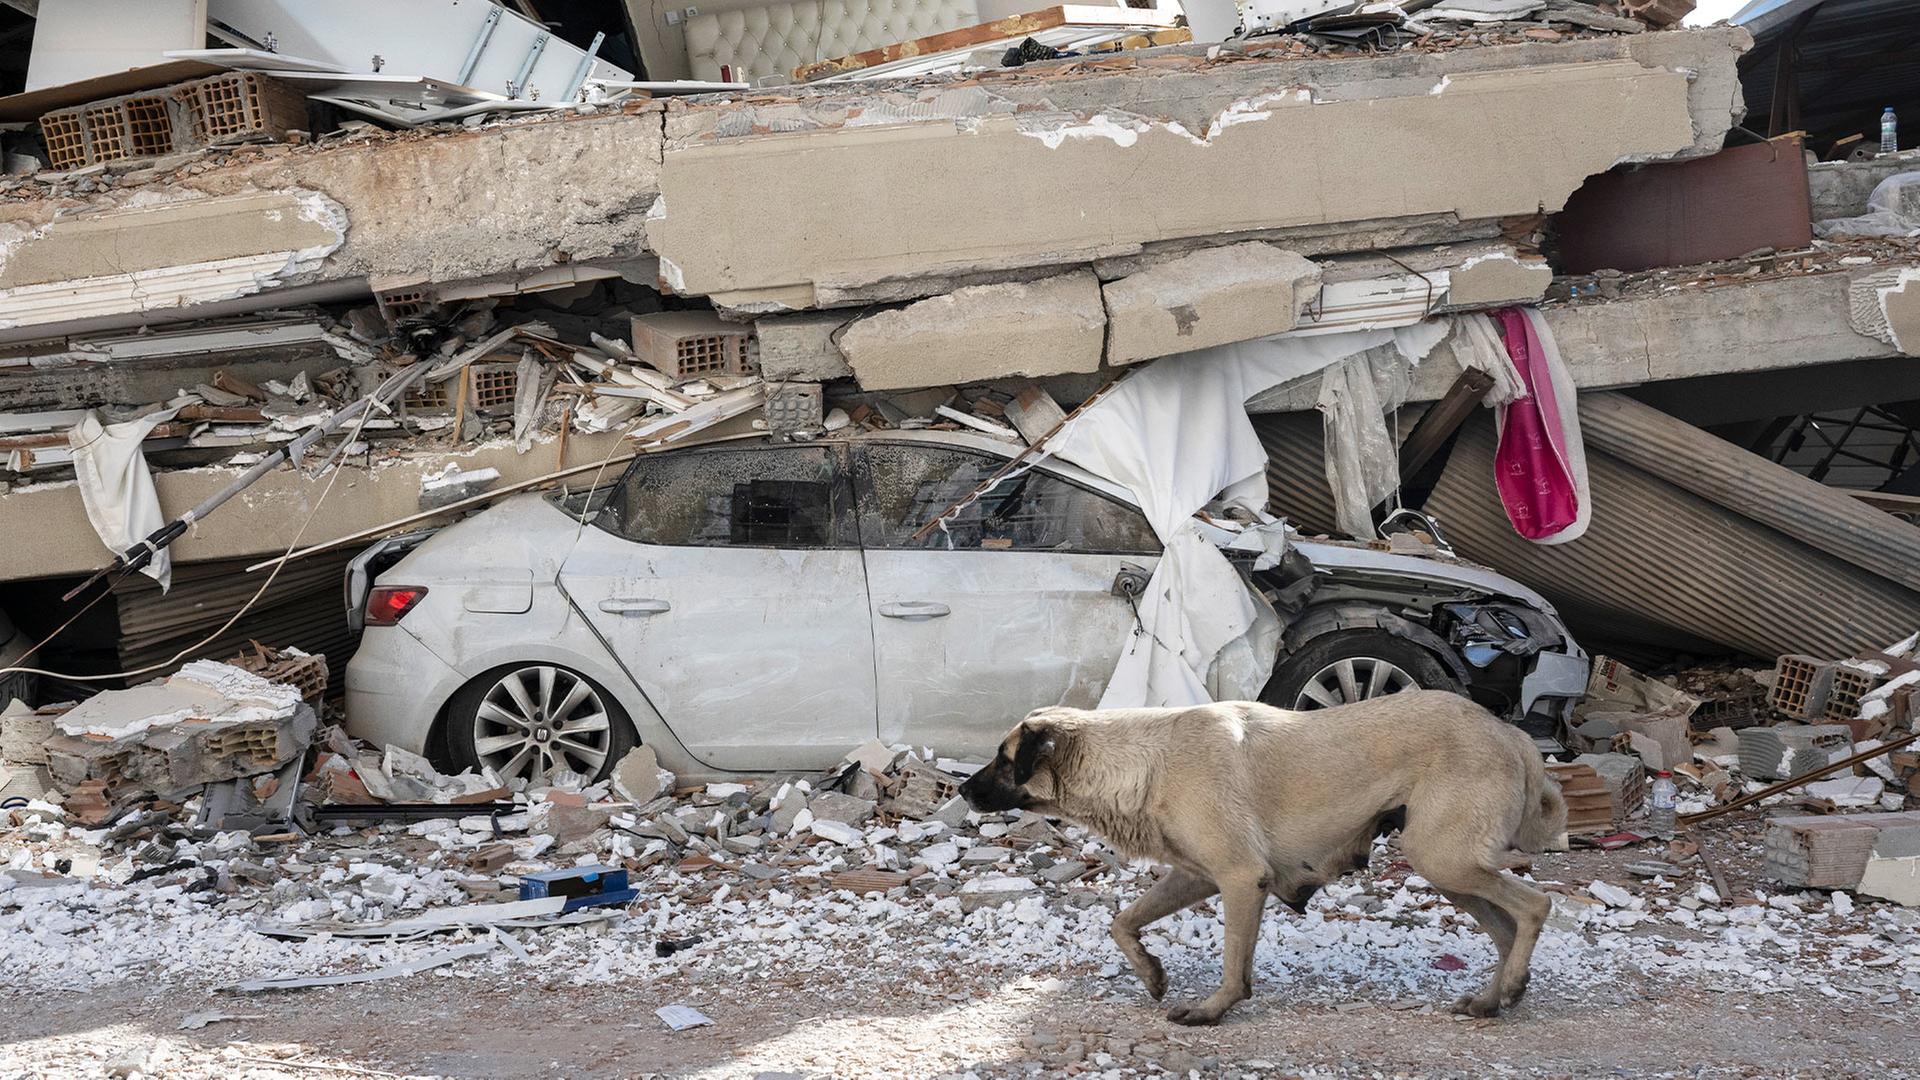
(441,208)
(161,254)
(1207,298)
(1051,327)
(1767,325)
(1104,165)
(40,524)
(801,347)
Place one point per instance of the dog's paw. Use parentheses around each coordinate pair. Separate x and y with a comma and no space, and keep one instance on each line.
(1469,1005)
(1515,993)
(1154,978)
(1195,1015)
(1206,1011)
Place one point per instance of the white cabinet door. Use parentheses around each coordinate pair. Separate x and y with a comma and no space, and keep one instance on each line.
(1008,609)
(728,583)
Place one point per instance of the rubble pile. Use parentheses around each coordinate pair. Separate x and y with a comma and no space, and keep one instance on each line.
(830,872)
(155,745)
(1727,732)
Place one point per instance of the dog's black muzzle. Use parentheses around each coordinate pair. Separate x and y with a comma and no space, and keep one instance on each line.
(990,790)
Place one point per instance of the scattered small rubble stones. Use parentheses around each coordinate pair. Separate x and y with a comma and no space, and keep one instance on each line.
(864,872)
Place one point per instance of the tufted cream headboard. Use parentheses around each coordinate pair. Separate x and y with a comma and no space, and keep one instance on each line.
(776,38)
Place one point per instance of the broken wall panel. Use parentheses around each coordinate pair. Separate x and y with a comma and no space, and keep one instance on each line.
(1129,149)
(1656,554)
(1685,212)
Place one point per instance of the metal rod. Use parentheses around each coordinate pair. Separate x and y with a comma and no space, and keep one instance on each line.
(1001,473)
(519,87)
(586,65)
(479,46)
(441,511)
(389,391)
(1794,782)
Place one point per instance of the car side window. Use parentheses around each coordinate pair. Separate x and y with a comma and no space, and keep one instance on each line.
(781,497)
(902,486)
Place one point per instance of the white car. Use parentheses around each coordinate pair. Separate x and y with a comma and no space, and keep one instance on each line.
(766,606)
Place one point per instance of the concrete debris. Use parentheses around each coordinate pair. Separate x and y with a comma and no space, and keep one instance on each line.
(1210,297)
(523,276)
(1052,326)
(208,723)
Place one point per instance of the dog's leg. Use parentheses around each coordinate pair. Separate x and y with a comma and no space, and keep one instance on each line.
(1528,908)
(1171,893)
(1244,899)
(1522,908)
(1496,924)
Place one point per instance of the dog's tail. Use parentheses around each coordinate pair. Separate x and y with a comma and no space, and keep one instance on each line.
(1543,825)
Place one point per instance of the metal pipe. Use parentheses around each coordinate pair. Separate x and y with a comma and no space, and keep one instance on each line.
(144,552)
(519,86)
(479,46)
(586,65)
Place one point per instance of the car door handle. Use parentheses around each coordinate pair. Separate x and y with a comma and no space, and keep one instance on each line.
(914,609)
(629,605)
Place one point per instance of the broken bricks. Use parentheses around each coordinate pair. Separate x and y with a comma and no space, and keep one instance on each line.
(209,722)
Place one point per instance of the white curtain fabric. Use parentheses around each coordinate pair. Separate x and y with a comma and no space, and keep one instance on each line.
(116,488)
(1177,435)
(1356,395)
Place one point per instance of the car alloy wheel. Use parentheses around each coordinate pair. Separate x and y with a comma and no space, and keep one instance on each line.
(535,720)
(1352,679)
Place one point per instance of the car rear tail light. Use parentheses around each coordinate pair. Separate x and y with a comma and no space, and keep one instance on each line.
(387,603)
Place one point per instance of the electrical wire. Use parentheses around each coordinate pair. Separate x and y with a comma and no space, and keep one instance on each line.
(359,425)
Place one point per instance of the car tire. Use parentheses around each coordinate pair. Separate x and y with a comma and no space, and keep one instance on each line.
(1368,662)
(536,716)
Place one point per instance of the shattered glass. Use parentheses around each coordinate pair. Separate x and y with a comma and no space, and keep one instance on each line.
(904,486)
(786,497)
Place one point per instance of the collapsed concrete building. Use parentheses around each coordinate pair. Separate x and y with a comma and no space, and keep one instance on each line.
(913,240)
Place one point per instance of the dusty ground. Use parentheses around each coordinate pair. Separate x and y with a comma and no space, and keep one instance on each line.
(456,1027)
(908,1002)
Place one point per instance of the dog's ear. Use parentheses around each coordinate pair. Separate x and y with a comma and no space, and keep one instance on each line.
(1036,743)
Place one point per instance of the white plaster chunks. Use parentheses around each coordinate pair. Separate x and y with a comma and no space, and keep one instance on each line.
(164,255)
(1205,298)
(1900,307)
(1886,305)
(1053,326)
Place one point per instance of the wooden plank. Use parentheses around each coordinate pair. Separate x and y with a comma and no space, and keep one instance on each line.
(1013,26)
(1442,420)
(37,103)
(868,881)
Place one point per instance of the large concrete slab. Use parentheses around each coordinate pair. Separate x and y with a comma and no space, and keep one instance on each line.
(449,207)
(1073,170)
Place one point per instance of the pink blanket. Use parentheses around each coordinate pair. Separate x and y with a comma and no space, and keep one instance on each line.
(1532,468)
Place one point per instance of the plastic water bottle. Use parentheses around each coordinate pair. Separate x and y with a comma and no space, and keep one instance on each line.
(1889,132)
(1665,797)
